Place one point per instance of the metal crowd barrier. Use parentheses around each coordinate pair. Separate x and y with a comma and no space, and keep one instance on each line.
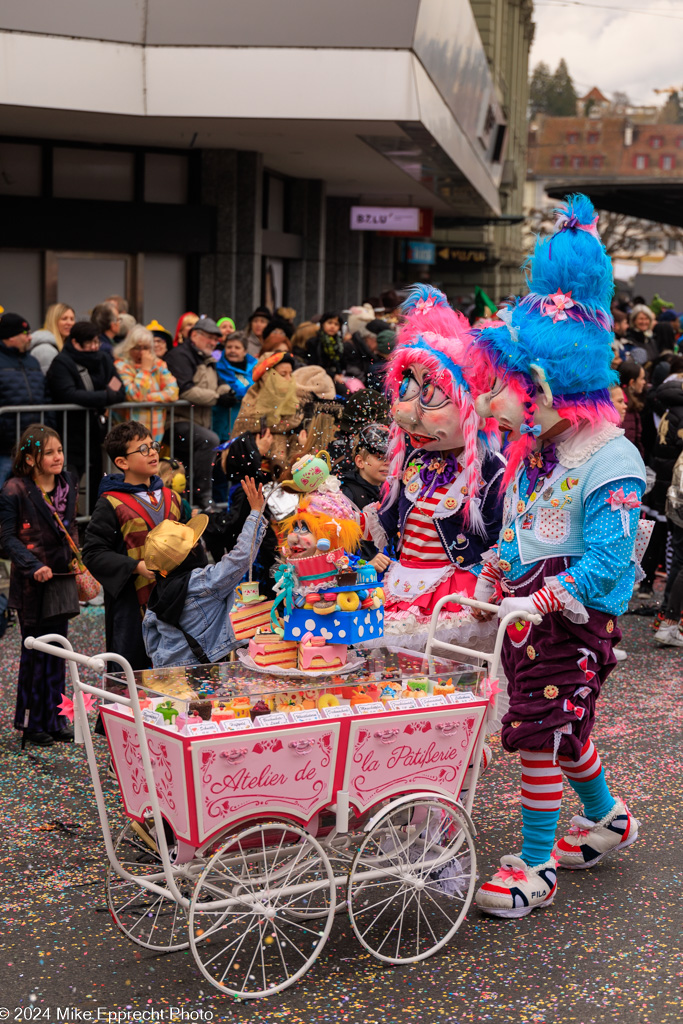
(41,411)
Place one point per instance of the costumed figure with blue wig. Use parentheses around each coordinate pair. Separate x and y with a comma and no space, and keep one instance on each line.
(568,549)
(443,498)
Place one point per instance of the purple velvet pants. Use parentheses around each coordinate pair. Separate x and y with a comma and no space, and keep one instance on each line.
(555,671)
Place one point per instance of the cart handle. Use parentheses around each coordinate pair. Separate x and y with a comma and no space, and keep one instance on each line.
(493,660)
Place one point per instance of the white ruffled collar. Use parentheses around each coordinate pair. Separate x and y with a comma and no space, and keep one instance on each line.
(576,446)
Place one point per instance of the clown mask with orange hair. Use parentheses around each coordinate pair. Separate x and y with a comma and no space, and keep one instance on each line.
(313,528)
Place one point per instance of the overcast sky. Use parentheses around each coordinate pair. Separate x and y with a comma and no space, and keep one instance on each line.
(616,49)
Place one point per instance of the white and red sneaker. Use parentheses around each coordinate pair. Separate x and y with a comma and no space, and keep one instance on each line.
(516,889)
(587,842)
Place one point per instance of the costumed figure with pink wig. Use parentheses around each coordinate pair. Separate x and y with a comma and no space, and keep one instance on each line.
(442,502)
(568,549)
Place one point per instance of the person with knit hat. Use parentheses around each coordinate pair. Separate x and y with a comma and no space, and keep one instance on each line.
(185,324)
(163,339)
(442,497)
(227,326)
(566,551)
(256,324)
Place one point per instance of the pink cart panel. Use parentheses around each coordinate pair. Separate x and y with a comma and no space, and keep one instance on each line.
(390,755)
(241,775)
(168,764)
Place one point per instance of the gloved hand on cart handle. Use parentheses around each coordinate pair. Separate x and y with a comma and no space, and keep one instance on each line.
(543,601)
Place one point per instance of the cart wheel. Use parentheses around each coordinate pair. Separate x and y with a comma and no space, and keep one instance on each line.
(341,854)
(246,929)
(412,881)
(155,922)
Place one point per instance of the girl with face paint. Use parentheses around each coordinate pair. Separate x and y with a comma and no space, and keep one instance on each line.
(566,550)
(441,504)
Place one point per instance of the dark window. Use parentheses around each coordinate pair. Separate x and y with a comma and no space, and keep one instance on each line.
(572,138)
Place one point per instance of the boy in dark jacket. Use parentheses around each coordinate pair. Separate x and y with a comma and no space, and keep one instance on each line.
(362,485)
(130,504)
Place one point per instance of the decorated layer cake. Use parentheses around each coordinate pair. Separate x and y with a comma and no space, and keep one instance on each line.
(250,618)
(268,649)
(315,654)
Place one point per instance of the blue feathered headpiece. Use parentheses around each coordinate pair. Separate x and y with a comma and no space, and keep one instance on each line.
(561,333)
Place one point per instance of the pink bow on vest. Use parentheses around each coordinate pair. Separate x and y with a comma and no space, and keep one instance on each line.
(624,503)
(511,874)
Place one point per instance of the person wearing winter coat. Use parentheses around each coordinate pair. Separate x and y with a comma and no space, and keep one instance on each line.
(21,383)
(638,344)
(670,620)
(256,324)
(146,378)
(326,348)
(234,368)
(83,375)
(37,511)
(271,403)
(194,368)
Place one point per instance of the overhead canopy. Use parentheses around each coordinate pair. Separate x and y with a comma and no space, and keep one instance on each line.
(659,201)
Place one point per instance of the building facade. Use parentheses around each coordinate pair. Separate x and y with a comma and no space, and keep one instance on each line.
(208,156)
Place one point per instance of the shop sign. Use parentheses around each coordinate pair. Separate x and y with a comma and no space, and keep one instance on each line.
(420,252)
(385,218)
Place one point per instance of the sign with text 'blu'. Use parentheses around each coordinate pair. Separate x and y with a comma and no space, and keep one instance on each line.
(385,218)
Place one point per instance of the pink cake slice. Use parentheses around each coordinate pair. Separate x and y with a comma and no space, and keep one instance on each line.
(315,654)
(269,649)
(250,618)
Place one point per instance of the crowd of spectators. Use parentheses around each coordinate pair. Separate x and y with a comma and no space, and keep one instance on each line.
(648,357)
(269,375)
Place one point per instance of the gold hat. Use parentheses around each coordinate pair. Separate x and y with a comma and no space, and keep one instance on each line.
(169,543)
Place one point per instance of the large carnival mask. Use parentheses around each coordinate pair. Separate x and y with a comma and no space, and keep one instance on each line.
(512,410)
(504,405)
(426,413)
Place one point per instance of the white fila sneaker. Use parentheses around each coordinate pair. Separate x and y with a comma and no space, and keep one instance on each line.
(516,889)
(587,842)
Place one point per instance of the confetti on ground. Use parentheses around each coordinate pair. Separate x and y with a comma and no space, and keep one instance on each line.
(607,952)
